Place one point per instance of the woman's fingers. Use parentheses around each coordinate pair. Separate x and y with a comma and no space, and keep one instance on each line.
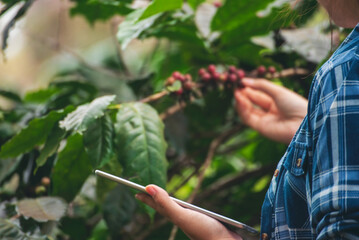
(159,200)
(248,113)
(196,225)
(263,85)
(258,98)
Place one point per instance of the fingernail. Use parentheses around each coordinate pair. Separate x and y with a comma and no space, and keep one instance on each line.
(138,196)
(151,190)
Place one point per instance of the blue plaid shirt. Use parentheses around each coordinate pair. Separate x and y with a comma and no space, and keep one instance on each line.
(314,193)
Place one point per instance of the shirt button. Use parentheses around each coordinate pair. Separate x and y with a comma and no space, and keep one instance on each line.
(276,173)
(265,236)
(299,162)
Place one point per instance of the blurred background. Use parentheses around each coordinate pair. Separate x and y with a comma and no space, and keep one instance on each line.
(45,35)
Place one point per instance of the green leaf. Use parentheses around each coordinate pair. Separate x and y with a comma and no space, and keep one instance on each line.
(194,3)
(234,12)
(119,209)
(42,209)
(159,6)
(33,135)
(41,96)
(20,13)
(71,169)
(8,166)
(98,141)
(94,10)
(10,95)
(51,145)
(141,143)
(79,119)
(104,186)
(253,26)
(131,28)
(175,87)
(100,231)
(9,230)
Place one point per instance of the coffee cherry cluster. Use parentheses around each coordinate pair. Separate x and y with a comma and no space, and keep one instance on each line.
(186,83)
(213,77)
(262,71)
(229,79)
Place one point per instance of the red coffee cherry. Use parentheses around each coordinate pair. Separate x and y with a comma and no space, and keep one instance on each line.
(45,181)
(272,70)
(201,72)
(178,76)
(223,77)
(241,74)
(179,92)
(170,81)
(188,77)
(261,70)
(212,69)
(232,69)
(206,77)
(216,76)
(232,77)
(188,86)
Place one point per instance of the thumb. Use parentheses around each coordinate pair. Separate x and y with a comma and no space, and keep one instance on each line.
(162,203)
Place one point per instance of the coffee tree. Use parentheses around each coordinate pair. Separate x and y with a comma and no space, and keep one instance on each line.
(169,119)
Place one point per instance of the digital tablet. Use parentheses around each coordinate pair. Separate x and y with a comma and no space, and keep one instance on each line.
(245,231)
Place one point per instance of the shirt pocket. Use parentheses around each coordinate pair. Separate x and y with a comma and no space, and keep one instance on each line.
(294,186)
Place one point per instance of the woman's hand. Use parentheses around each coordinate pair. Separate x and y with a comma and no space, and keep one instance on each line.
(272,110)
(194,224)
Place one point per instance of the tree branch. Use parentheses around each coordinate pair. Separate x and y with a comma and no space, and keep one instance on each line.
(212,150)
(227,182)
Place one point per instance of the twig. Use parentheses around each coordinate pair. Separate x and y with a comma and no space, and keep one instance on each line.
(227,182)
(212,150)
(155,97)
(233,147)
(173,232)
(291,72)
(172,110)
(184,181)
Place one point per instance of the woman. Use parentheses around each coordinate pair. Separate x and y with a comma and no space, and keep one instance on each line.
(314,193)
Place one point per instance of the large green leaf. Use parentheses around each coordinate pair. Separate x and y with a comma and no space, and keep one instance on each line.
(98,141)
(119,209)
(33,135)
(159,6)
(141,143)
(51,145)
(103,185)
(254,26)
(234,12)
(71,169)
(80,119)
(131,28)
(10,230)
(42,209)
